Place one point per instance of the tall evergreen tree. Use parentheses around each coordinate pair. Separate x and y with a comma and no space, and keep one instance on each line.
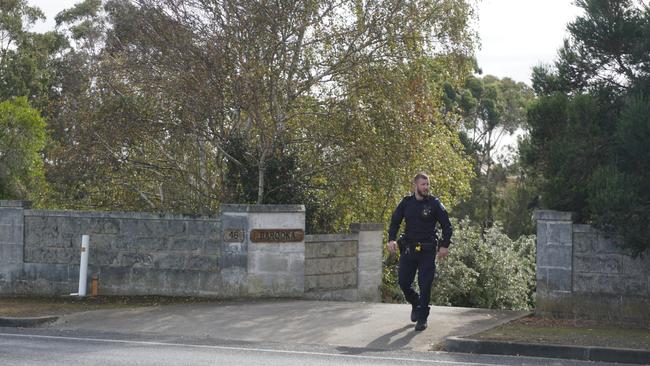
(591,119)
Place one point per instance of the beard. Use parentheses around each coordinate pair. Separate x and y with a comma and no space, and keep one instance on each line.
(422,192)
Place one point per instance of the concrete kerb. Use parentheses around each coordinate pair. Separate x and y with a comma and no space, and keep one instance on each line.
(27,322)
(596,354)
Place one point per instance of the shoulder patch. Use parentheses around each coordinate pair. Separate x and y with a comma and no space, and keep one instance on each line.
(437,200)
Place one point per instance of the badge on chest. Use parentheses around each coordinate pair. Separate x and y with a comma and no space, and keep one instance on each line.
(425,214)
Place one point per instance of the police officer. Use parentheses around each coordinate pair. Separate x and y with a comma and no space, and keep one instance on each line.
(419,244)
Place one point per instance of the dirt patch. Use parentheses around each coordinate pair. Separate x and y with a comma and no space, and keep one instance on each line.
(569,332)
(61,305)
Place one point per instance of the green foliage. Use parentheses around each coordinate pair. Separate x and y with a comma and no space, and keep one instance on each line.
(488,108)
(618,197)
(562,127)
(589,129)
(384,133)
(518,198)
(181,108)
(15,16)
(26,67)
(22,137)
(287,187)
(607,45)
(588,151)
(484,269)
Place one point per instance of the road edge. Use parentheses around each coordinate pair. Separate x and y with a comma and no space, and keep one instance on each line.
(27,322)
(599,354)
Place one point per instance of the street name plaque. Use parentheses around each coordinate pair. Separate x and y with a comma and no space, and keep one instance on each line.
(277,235)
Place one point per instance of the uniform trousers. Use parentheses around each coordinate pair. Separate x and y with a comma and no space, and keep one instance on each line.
(423,262)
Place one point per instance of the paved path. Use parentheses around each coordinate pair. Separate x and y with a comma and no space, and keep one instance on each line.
(356,325)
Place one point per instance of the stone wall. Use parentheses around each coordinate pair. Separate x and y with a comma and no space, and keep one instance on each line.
(582,272)
(143,253)
(12,225)
(130,253)
(344,266)
(369,263)
(331,267)
(272,269)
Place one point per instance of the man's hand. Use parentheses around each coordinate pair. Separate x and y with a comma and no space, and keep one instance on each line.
(392,246)
(443,252)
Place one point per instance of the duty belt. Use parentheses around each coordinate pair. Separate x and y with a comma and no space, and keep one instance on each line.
(416,245)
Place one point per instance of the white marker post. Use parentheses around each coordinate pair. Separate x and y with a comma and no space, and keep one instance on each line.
(83,266)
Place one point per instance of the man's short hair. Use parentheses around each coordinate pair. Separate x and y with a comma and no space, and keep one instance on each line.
(420,175)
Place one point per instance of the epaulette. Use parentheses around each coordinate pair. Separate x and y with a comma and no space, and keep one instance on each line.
(408,197)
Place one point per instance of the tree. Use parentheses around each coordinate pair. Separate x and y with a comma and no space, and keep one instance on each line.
(584,147)
(80,167)
(22,137)
(190,104)
(389,128)
(489,109)
(518,198)
(26,57)
(26,77)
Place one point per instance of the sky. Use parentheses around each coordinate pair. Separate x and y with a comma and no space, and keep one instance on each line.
(516,35)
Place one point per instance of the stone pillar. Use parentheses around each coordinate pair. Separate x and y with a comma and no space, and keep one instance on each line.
(12,226)
(554,260)
(274,257)
(369,260)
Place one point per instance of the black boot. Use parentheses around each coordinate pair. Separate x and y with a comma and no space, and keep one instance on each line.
(414,300)
(423,314)
(414,312)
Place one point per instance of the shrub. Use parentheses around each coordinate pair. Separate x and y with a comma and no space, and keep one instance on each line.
(484,270)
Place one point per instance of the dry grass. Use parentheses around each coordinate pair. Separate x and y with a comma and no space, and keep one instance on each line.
(569,332)
(60,305)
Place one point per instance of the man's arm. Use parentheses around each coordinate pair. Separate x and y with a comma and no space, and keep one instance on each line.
(443,218)
(395,222)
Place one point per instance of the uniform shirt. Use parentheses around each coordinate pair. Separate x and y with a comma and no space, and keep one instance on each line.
(421,217)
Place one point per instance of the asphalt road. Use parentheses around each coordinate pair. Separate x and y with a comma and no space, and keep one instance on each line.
(50,347)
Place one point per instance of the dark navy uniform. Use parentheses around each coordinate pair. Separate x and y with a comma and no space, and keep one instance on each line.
(418,245)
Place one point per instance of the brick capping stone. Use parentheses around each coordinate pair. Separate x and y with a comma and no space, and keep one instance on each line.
(356,227)
(262,208)
(551,215)
(15,203)
(118,215)
(582,228)
(329,237)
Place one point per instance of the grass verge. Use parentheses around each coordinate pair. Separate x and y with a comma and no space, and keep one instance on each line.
(569,332)
(20,306)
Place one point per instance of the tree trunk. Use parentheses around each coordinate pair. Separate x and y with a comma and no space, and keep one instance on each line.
(260,179)
(488,219)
